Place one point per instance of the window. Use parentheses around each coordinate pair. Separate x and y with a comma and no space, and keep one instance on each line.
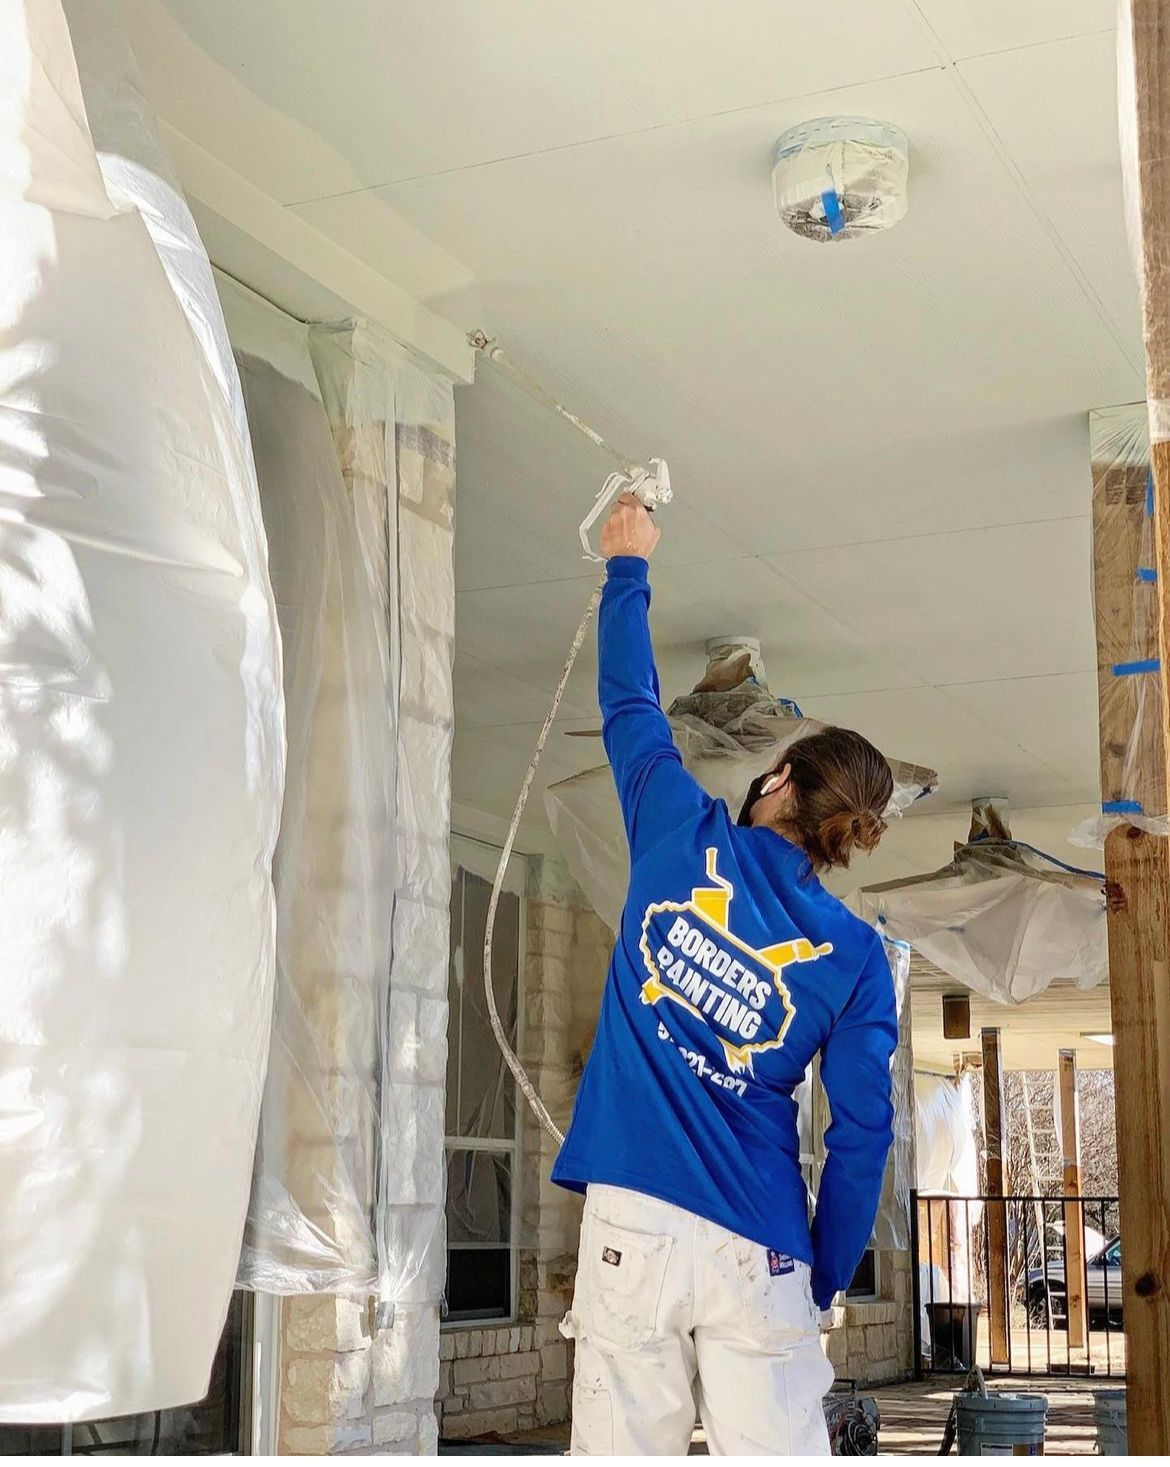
(865,1280)
(482,1155)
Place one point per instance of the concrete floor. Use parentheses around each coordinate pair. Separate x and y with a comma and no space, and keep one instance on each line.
(913,1414)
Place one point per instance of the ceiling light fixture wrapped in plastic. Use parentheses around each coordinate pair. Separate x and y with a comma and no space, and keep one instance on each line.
(729,730)
(841,177)
(1002,918)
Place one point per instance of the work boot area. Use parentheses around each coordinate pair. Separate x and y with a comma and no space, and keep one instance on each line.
(913,1422)
(584,730)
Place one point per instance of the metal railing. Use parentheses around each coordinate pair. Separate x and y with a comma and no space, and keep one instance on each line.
(956,1277)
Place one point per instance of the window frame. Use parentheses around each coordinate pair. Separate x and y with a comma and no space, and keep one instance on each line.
(481,858)
(874,1295)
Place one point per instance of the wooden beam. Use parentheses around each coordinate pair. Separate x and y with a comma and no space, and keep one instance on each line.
(1074,1213)
(1137,864)
(995,1146)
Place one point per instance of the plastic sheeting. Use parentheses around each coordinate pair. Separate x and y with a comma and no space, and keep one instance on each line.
(947,1164)
(394,427)
(727,735)
(840,178)
(1001,918)
(311,1219)
(141,761)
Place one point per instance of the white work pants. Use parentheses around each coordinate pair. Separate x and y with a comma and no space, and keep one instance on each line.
(673,1315)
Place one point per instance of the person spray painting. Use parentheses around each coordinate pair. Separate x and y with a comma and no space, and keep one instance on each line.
(700,1279)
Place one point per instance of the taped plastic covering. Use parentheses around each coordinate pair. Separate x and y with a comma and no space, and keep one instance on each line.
(728,730)
(311,1219)
(1133,787)
(892,1224)
(947,1164)
(394,427)
(841,177)
(1002,918)
(141,762)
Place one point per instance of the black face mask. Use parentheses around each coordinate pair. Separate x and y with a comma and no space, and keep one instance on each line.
(755,789)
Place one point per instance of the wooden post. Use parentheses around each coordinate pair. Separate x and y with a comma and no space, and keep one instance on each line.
(1137,864)
(1074,1213)
(995,1143)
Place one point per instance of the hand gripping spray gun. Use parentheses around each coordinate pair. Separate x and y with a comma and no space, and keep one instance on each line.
(652,487)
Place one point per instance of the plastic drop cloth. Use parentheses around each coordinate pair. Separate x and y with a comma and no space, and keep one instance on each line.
(141,762)
(1001,918)
(311,1218)
(394,428)
(1133,789)
(727,735)
(947,1164)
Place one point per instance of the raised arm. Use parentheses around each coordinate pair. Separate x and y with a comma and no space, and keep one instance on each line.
(855,1071)
(655,792)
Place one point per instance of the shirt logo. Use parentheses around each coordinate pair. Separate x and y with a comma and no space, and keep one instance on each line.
(611,1255)
(737,992)
(779,1263)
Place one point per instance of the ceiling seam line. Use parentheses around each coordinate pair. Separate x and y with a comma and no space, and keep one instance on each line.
(1014,172)
(609,137)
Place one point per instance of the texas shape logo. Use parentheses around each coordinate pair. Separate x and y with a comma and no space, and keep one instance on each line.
(695,961)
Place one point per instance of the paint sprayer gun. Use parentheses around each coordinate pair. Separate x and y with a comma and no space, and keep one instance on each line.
(651,486)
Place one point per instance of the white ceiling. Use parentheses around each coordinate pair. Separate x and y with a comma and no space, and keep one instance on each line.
(879,449)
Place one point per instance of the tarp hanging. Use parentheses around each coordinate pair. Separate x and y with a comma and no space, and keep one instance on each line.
(141,762)
(1001,918)
(394,427)
(311,1219)
(728,730)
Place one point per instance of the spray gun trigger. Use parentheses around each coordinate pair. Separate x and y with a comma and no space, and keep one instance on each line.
(650,486)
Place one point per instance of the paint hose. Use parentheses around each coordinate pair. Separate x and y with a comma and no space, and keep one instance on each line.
(652,488)
(529,1089)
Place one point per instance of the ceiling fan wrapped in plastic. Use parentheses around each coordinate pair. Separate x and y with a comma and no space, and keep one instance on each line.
(728,730)
(1002,918)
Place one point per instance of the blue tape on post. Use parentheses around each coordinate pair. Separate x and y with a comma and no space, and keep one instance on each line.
(1150,495)
(1128,669)
(833,215)
(1121,807)
(1148,574)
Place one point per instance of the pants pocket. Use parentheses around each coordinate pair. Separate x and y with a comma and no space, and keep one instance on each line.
(592,1433)
(620,1274)
(779,1313)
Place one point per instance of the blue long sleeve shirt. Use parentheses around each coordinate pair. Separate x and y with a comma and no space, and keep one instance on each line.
(733,967)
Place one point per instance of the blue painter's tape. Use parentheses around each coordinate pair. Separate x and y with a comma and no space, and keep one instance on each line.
(1147,573)
(833,215)
(1121,807)
(1150,495)
(1128,669)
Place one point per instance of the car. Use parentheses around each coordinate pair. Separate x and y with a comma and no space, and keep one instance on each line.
(1103,1288)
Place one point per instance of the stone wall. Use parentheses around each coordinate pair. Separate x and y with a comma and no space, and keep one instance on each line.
(874,1343)
(510,1377)
(347,1386)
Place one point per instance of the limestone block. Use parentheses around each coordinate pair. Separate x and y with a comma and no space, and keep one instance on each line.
(322,1390)
(395,1426)
(492,1393)
(324,1441)
(323,1322)
(405,1358)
